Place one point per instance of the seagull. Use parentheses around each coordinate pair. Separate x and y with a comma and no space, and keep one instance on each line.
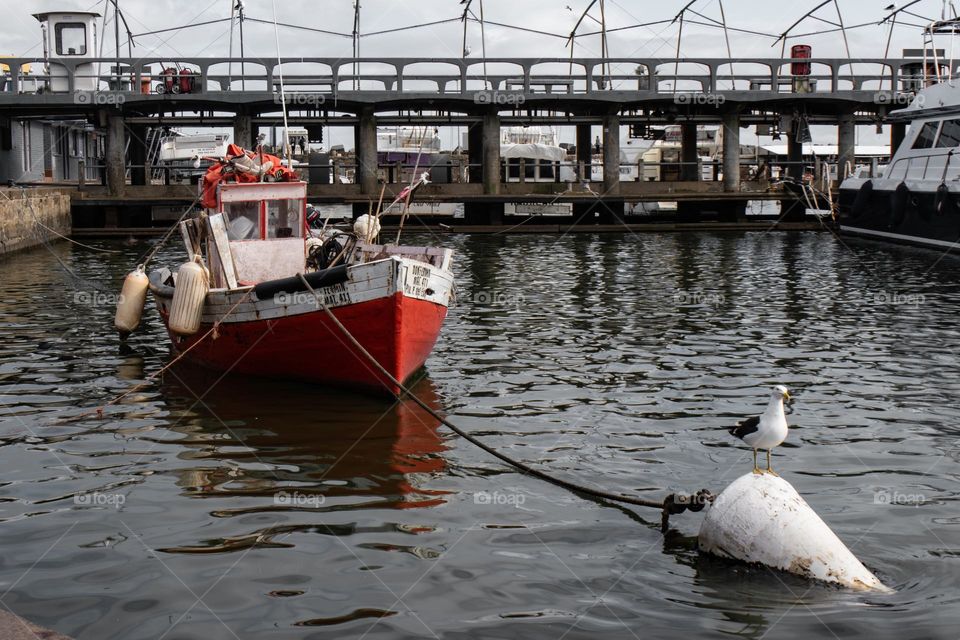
(767,430)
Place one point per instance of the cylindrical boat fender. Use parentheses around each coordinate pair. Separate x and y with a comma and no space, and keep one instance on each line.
(133,297)
(898,205)
(941,201)
(186,310)
(862,200)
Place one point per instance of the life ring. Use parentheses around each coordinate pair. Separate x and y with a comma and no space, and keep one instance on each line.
(862,200)
(898,205)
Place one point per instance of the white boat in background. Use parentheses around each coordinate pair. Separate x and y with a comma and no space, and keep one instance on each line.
(403,153)
(534,153)
(178,147)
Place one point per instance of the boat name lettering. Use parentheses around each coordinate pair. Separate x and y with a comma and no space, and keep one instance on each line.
(415,282)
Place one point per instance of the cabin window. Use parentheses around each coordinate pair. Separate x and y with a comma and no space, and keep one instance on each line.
(243,220)
(949,134)
(71,39)
(546,170)
(928,132)
(283,219)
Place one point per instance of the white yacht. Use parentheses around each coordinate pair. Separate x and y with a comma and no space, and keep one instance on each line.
(916,198)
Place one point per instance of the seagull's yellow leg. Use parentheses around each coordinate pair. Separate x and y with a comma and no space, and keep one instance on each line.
(769,470)
(756,469)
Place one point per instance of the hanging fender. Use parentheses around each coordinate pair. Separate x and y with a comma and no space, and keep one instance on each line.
(941,201)
(899,202)
(862,200)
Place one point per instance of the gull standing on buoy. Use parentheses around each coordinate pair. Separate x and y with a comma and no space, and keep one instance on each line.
(767,430)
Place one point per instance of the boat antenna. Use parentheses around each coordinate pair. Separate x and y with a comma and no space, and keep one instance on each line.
(283,95)
(243,66)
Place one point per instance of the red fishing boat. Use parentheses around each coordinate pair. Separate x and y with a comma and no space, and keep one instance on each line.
(257,291)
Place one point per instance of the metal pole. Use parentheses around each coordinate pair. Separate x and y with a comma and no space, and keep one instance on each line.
(116,36)
(243,66)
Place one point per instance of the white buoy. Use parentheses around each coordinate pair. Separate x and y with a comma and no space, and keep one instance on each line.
(133,297)
(367,228)
(186,309)
(761,518)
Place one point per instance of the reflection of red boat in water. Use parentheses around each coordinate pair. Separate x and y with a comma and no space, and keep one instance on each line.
(241,304)
(315,442)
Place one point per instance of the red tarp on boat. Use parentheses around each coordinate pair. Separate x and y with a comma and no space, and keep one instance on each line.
(240,165)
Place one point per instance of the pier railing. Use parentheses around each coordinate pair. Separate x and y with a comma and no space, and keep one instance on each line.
(508,78)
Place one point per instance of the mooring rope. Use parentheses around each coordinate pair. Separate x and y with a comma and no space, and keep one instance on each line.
(672,504)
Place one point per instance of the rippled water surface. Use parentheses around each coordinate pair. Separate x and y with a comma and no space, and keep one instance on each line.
(202,507)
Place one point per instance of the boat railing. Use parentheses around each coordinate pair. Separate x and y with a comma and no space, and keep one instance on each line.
(512,77)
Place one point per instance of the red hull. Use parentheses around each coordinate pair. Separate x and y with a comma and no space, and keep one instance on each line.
(399,331)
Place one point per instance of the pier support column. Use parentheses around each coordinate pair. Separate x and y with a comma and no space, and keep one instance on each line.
(897,132)
(731,151)
(366,152)
(794,157)
(138,155)
(611,154)
(243,131)
(115,155)
(846,140)
(491,153)
(584,151)
(689,169)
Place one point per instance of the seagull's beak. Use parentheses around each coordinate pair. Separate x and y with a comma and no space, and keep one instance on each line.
(786,396)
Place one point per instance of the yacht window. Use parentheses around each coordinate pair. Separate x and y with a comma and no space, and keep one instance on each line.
(71,39)
(928,132)
(949,134)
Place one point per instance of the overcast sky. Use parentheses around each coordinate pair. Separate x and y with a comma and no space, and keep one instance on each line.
(21,32)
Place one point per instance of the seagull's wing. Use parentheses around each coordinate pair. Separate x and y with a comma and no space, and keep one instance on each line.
(745,427)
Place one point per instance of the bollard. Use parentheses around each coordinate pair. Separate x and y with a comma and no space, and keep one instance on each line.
(760,518)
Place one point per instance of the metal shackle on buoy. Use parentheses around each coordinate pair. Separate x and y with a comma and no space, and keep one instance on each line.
(760,518)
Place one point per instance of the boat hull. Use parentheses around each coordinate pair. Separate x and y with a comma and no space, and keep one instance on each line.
(290,336)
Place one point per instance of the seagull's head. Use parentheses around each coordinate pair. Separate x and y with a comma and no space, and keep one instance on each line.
(780,392)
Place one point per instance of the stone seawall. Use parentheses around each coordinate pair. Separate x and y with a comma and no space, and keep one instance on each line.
(25,212)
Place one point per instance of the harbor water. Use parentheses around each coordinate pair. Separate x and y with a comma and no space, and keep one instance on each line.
(204,506)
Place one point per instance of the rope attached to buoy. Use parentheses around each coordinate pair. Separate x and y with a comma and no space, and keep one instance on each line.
(672,504)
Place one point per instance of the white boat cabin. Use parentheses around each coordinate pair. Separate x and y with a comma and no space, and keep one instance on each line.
(257,233)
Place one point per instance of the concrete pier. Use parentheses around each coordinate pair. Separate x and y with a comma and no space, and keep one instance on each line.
(611,154)
(846,139)
(491,153)
(731,151)
(243,131)
(115,155)
(366,145)
(29,218)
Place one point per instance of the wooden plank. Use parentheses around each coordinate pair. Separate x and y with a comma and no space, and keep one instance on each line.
(218,232)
